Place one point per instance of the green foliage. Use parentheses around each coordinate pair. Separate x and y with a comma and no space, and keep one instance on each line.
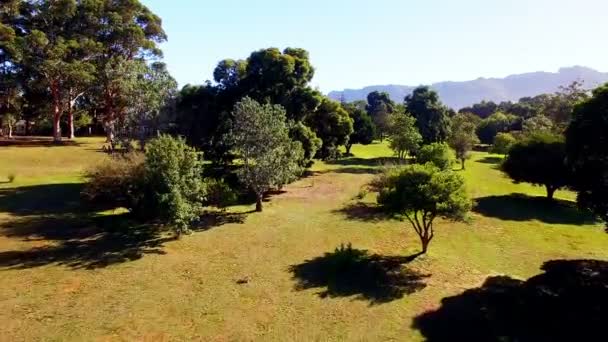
(431,115)
(438,154)
(164,184)
(403,134)
(587,145)
(422,193)
(364,130)
(219,194)
(537,124)
(173,176)
(539,159)
(503,143)
(481,110)
(379,107)
(117,182)
(496,123)
(260,137)
(332,124)
(463,137)
(309,140)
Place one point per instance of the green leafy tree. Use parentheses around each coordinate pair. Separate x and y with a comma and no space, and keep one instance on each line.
(587,142)
(333,125)
(431,115)
(403,135)
(537,124)
(422,193)
(539,159)
(379,107)
(496,123)
(503,143)
(463,137)
(438,154)
(260,137)
(481,110)
(309,140)
(364,129)
(173,181)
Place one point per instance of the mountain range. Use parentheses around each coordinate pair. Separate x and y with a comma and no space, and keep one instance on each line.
(511,88)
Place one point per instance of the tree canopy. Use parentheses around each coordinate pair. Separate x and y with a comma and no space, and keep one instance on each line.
(462,136)
(587,148)
(539,159)
(422,193)
(431,115)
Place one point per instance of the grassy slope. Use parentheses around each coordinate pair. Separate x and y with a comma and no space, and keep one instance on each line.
(156,289)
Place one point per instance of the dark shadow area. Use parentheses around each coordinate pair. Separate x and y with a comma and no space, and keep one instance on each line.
(520,207)
(370,162)
(81,242)
(35,142)
(355,170)
(351,272)
(41,199)
(214,219)
(568,302)
(491,160)
(361,211)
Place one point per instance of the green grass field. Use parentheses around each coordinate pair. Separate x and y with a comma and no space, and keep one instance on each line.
(69,274)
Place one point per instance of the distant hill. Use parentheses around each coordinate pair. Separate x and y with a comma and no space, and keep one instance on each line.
(511,88)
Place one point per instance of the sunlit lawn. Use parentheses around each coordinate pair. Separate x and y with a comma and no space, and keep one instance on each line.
(71,275)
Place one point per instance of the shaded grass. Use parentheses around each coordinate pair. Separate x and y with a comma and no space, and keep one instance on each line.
(352,272)
(568,302)
(520,207)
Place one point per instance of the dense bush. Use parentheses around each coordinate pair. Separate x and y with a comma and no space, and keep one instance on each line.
(438,154)
(118,182)
(309,140)
(503,143)
(164,184)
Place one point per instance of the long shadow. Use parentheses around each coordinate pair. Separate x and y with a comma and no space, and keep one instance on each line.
(361,211)
(370,162)
(93,242)
(352,272)
(520,207)
(214,219)
(36,142)
(568,302)
(491,160)
(41,199)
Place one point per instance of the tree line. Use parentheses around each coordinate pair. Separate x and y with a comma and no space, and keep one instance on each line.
(66,64)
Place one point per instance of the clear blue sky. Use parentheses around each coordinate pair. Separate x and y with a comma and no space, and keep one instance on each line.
(358,43)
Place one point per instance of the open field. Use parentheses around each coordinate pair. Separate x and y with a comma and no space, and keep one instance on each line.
(69,274)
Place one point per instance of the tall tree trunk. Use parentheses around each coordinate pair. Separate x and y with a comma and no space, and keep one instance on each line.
(71,134)
(56,112)
(550,192)
(258,203)
(10,130)
(28,127)
(462,163)
(348,147)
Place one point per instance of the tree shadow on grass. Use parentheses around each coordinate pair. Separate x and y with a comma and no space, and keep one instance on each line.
(568,302)
(82,242)
(491,160)
(214,219)
(352,272)
(369,162)
(41,199)
(520,207)
(35,142)
(361,211)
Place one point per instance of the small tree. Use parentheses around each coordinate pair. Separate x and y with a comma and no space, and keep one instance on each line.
(403,134)
(539,159)
(503,143)
(463,138)
(173,172)
(261,139)
(422,193)
(438,154)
